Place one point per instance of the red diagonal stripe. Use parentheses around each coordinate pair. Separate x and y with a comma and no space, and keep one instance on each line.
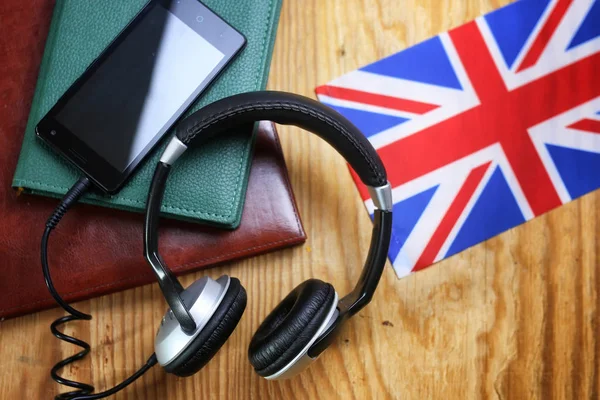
(501,118)
(452,215)
(588,125)
(378,100)
(540,43)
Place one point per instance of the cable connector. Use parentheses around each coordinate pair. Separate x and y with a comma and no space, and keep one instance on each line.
(70,198)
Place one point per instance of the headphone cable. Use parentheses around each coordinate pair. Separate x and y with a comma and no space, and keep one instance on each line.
(84,391)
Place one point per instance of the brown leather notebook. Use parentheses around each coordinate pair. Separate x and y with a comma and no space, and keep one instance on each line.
(95,250)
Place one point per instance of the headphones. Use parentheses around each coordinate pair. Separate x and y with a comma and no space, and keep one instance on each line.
(203,316)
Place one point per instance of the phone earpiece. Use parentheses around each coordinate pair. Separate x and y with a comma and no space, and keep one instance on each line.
(279,346)
(217,307)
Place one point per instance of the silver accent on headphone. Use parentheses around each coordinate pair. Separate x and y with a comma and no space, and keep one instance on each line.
(302,360)
(204,296)
(382,197)
(173,151)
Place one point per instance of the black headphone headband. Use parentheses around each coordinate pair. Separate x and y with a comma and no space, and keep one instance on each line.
(289,109)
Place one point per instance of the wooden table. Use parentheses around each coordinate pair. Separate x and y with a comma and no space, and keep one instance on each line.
(514,317)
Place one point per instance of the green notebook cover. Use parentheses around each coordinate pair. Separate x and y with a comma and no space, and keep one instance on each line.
(208,184)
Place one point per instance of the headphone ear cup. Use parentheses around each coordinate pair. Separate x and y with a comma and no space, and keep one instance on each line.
(213,335)
(289,328)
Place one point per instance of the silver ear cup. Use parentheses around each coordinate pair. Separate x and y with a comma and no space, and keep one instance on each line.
(202,298)
(302,360)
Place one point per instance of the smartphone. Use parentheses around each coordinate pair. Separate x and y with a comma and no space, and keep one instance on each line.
(138,87)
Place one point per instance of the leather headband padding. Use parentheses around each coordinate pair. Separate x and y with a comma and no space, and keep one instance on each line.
(287,109)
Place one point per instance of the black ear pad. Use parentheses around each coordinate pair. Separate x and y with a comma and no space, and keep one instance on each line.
(214,334)
(290,326)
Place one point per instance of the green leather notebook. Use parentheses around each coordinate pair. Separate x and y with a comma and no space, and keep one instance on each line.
(208,184)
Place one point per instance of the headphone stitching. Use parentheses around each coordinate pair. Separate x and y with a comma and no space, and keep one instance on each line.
(286,106)
(192,131)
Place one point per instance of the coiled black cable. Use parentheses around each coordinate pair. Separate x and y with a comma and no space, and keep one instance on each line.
(84,390)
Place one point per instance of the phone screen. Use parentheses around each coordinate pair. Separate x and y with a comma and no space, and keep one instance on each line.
(134,92)
(130,97)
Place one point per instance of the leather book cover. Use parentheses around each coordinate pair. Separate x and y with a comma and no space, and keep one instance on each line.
(97,250)
(79,31)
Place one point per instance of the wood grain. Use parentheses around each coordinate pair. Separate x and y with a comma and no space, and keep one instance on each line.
(515,317)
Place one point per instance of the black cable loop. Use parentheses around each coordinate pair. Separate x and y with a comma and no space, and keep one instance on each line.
(84,390)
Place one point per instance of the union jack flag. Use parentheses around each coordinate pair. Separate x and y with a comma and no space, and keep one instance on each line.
(481,128)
